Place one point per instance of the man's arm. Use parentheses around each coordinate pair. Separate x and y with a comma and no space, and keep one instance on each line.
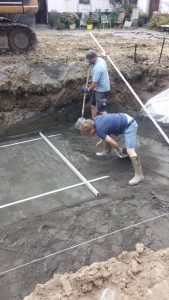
(95,80)
(93,85)
(90,88)
(113,143)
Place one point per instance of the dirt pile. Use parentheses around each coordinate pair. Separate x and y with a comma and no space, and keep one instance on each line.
(139,275)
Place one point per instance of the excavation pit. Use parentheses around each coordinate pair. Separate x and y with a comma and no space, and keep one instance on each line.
(51,223)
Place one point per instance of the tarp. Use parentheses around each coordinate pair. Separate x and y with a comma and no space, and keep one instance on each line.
(158,107)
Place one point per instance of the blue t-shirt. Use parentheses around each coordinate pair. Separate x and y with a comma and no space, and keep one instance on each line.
(101,76)
(110,124)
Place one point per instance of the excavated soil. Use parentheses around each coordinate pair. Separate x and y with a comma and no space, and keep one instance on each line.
(40,91)
(43,89)
(139,275)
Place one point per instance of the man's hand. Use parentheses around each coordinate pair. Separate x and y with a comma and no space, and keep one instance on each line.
(117,149)
(122,152)
(85,90)
(101,142)
(113,143)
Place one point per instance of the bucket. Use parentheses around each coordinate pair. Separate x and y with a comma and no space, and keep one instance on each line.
(72,26)
(89,26)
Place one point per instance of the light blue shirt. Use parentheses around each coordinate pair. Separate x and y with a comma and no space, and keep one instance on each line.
(101,76)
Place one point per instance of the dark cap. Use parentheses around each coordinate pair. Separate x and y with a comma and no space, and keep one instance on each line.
(91,54)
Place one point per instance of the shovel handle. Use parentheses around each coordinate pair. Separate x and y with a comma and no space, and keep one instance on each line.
(84,97)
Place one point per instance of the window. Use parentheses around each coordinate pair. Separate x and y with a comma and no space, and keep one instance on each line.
(133,1)
(84,1)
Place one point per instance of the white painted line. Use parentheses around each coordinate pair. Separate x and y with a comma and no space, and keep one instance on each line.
(69,164)
(131,89)
(84,243)
(28,141)
(50,193)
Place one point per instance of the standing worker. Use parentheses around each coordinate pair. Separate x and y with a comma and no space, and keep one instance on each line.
(100,86)
(116,124)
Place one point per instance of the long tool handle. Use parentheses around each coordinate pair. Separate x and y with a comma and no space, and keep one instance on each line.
(84,97)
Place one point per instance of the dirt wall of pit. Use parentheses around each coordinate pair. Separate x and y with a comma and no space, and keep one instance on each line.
(43,89)
(40,96)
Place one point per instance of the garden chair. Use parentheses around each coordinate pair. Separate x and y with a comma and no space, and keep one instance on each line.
(120,19)
(105,22)
(96,18)
(164,27)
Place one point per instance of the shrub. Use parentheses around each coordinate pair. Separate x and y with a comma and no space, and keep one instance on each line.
(55,19)
(88,19)
(159,19)
(143,19)
(68,18)
(61,20)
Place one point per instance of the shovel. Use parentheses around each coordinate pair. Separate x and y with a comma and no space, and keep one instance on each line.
(81,120)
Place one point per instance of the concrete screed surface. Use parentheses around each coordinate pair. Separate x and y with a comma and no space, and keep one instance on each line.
(49,224)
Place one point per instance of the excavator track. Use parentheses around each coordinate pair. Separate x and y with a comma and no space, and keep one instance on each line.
(16,38)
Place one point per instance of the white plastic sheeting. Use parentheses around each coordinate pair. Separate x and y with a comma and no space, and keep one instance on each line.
(158,107)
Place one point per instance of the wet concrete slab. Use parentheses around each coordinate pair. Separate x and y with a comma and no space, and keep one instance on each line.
(40,227)
(31,169)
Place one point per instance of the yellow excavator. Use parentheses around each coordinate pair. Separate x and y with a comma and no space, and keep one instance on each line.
(16,37)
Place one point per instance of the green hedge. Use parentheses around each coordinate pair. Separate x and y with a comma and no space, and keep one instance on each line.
(159,19)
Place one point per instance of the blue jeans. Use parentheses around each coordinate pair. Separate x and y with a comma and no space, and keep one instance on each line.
(130,135)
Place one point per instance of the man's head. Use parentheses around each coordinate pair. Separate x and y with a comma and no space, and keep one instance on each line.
(88,128)
(91,56)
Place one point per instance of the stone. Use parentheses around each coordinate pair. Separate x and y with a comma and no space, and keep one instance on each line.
(124,257)
(140,248)
(66,286)
(135,267)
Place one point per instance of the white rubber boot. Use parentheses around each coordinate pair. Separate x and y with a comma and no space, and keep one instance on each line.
(139,177)
(107,150)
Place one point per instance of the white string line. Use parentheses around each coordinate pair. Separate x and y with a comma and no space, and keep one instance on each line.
(82,244)
(27,141)
(70,165)
(50,193)
(131,89)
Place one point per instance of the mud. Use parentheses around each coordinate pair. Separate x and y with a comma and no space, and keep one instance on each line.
(37,228)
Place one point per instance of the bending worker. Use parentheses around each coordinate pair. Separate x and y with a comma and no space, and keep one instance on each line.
(100,86)
(117,124)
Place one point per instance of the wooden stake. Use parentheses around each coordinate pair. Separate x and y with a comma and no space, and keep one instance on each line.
(162,47)
(135,53)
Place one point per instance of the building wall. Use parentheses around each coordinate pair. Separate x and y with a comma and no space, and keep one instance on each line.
(144,6)
(101,4)
(62,5)
(75,6)
(164,6)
